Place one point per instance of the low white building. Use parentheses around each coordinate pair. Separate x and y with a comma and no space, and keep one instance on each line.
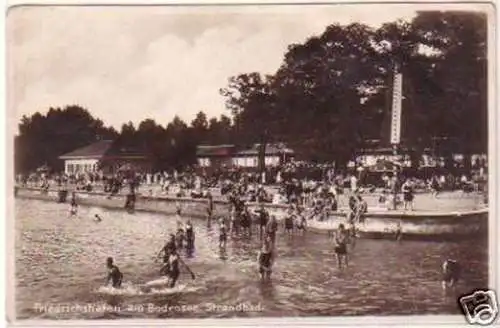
(227,155)
(86,159)
(102,156)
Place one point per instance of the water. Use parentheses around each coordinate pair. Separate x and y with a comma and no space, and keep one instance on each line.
(60,262)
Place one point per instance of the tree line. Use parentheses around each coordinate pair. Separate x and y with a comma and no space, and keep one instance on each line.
(329,98)
(332,93)
(43,138)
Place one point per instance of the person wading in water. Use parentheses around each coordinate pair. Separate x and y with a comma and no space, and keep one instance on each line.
(266,259)
(180,237)
(271,228)
(289,222)
(407,190)
(169,247)
(114,274)
(189,237)
(451,273)
(178,209)
(341,239)
(74,206)
(301,222)
(171,269)
(210,210)
(222,234)
(263,219)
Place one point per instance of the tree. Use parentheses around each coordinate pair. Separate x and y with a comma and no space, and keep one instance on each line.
(43,138)
(459,39)
(332,94)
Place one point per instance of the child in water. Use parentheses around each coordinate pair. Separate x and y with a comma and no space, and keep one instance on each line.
(266,259)
(451,273)
(222,233)
(114,274)
(341,240)
(74,206)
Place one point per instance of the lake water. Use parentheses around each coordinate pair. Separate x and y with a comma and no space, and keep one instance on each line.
(60,270)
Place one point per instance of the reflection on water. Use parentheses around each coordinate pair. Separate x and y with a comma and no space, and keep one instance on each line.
(61,261)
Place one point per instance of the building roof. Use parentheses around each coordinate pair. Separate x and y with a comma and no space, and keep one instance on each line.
(95,150)
(100,149)
(271,149)
(215,150)
(230,150)
(384,165)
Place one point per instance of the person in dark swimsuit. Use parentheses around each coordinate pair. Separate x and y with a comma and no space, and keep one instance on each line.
(451,273)
(399,232)
(222,234)
(169,247)
(74,205)
(289,224)
(189,237)
(114,274)
(341,240)
(266,259)
(180,238)
(178,209)
(407,195)
(210,210)
(263,220)
(172,269)
(301,222)
(271,228)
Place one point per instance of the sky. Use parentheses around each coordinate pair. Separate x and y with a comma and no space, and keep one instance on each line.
(133,63)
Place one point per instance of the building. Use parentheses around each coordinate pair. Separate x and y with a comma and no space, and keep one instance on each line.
(231,156)
(104,156)
(215,156)
(275,155)
(375,153)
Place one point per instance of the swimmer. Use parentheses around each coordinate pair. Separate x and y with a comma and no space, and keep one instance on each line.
(180,237)
(171,269)
(189,236)
(451,273)
(399,232)
(266,259)
(263,219)
(222,234)
(210,210)
(289,222)
(74,206)
(271,228)
(301,223)
(114,274)
(341,240)
(351,232)
(178,209)
(169,247)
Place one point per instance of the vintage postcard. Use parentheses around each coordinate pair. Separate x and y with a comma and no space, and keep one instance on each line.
(255,164)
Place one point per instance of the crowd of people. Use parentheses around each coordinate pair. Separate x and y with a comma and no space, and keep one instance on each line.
(312,187)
